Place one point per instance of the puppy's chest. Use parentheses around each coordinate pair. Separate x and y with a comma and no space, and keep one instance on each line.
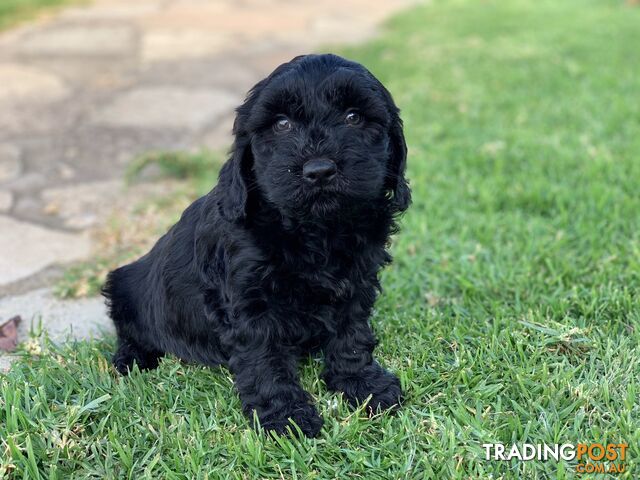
(316,276)
(318,285)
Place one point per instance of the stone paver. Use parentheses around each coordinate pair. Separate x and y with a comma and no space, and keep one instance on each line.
(21,84)
(5,362)
(81,206)
(112,11)
(166,107)
(79,319)
(80,40)
(161,45)
(220,136)
(6,201)
(10,163)
(84,92)
(27,248)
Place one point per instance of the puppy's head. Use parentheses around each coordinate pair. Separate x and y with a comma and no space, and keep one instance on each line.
(319,135)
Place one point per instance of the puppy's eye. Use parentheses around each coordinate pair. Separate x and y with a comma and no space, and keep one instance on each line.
(353,118)
(282,125)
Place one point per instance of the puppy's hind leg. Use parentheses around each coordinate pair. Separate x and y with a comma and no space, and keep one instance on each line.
(120,289)
(130,352)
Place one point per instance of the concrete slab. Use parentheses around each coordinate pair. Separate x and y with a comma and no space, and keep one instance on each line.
(61,319)
(111,11)
(69,40)
(10,162)
(27,248)
(79,206)
(6,201)
(220,137)
(6,361)
(162,45)
(166,107)
(21,83)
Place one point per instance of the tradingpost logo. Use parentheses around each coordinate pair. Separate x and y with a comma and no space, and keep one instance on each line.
(591,457)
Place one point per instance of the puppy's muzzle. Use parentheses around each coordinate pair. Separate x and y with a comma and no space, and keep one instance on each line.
(319,171)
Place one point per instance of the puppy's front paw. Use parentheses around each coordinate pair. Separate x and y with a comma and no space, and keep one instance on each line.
(372,380)
(304,415)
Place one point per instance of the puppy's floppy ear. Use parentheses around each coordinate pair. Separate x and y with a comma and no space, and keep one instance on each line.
(233,178)
(396,181)
(235,175)
(395,184)
(232,183)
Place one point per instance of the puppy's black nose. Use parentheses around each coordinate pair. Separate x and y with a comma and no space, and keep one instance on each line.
(319,170)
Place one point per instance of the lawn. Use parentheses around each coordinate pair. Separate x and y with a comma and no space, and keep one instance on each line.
(511,313)
(14,11)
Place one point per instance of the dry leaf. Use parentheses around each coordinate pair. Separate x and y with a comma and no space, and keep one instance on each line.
(9,334)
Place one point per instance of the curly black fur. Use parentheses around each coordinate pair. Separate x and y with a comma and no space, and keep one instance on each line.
(268,266)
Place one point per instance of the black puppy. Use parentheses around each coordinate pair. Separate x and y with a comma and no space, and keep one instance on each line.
(281,257)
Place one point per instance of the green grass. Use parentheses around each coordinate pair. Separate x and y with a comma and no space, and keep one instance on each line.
(511,312)
(180,165)
(15,11)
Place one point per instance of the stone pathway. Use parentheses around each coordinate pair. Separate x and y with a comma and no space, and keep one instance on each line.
(85,92)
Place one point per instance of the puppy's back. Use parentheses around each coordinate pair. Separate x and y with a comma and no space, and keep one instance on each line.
(141,296)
